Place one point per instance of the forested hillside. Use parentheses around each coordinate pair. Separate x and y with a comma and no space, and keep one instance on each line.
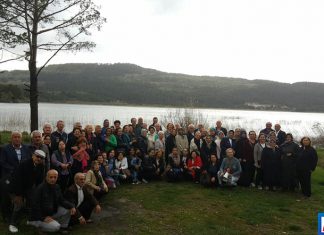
(132,84)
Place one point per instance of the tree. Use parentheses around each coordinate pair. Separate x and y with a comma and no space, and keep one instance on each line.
(30,26)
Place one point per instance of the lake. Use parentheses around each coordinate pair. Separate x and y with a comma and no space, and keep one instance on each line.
(17,117)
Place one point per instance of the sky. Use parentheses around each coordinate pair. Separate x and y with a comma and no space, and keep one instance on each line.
(280,40)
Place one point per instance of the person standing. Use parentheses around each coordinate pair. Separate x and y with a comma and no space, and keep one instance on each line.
(306,164)
(289,151)
(13,154)
(21,184)
(58,135)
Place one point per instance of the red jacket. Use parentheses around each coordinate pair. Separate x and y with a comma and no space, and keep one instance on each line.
(197,163)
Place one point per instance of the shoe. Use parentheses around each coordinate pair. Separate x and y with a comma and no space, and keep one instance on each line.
(134,182)
(252,185)
(138,182)
(13,229)
(267,188)
(124,176)
(89,221)
(260,187)
(144,181)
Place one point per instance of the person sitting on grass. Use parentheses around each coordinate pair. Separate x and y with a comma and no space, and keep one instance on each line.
(148,167)
(134,165)
(230,169)
(159,164)
(83,201)
(50,211)
(194,165)
(174,169)
(209,174)
(120,170)
(94,181)
(104,170)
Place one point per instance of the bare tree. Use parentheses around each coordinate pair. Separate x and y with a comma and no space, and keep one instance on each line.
(30,26)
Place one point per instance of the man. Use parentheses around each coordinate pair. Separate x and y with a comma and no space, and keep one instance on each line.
(191,132)
(220,128)
(12,154)
(155,121)
(50,211)
(23,182)
(139,127)
(47,129)
(142,142)
(181,140)
(230,169)
(267,130)
(227,142)
(157,127)
(84,201)
(37,143)
(98,144)
(281,135)
(196,142)
(58,135)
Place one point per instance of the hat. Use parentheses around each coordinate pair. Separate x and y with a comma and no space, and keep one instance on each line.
(40,153)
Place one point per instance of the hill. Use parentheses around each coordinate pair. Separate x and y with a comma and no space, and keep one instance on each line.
(134,85)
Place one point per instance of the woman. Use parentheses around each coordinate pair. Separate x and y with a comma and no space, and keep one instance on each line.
(175,166)
(244,153)
(72,143)
(208,147)
(270,165)
(62,162)
(94,181)
(194,164)
(81,158)
(257,153)
(121,171)
(47,142)
(148,167)
(218,140)
(151,138)
(160,142)
(104,169)
(209,175)
(306,163)
(91,141)
(159,164)
(110,140)
(289,151)
(122,144)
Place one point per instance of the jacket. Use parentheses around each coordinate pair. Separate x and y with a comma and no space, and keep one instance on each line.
(46,200)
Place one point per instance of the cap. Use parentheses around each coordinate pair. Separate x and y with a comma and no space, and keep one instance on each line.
(40,153)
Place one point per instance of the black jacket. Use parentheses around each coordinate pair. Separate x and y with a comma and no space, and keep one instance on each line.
(307,159)
(9,159)
(71,194)
(25,177)
(46,200)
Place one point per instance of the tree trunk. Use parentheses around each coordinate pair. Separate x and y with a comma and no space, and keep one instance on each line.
(33,96)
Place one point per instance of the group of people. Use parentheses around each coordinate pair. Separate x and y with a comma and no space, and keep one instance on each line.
(60,177)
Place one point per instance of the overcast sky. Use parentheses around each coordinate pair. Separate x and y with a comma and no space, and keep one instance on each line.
(280,40)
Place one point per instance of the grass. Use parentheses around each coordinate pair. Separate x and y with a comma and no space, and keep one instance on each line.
(187,208)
